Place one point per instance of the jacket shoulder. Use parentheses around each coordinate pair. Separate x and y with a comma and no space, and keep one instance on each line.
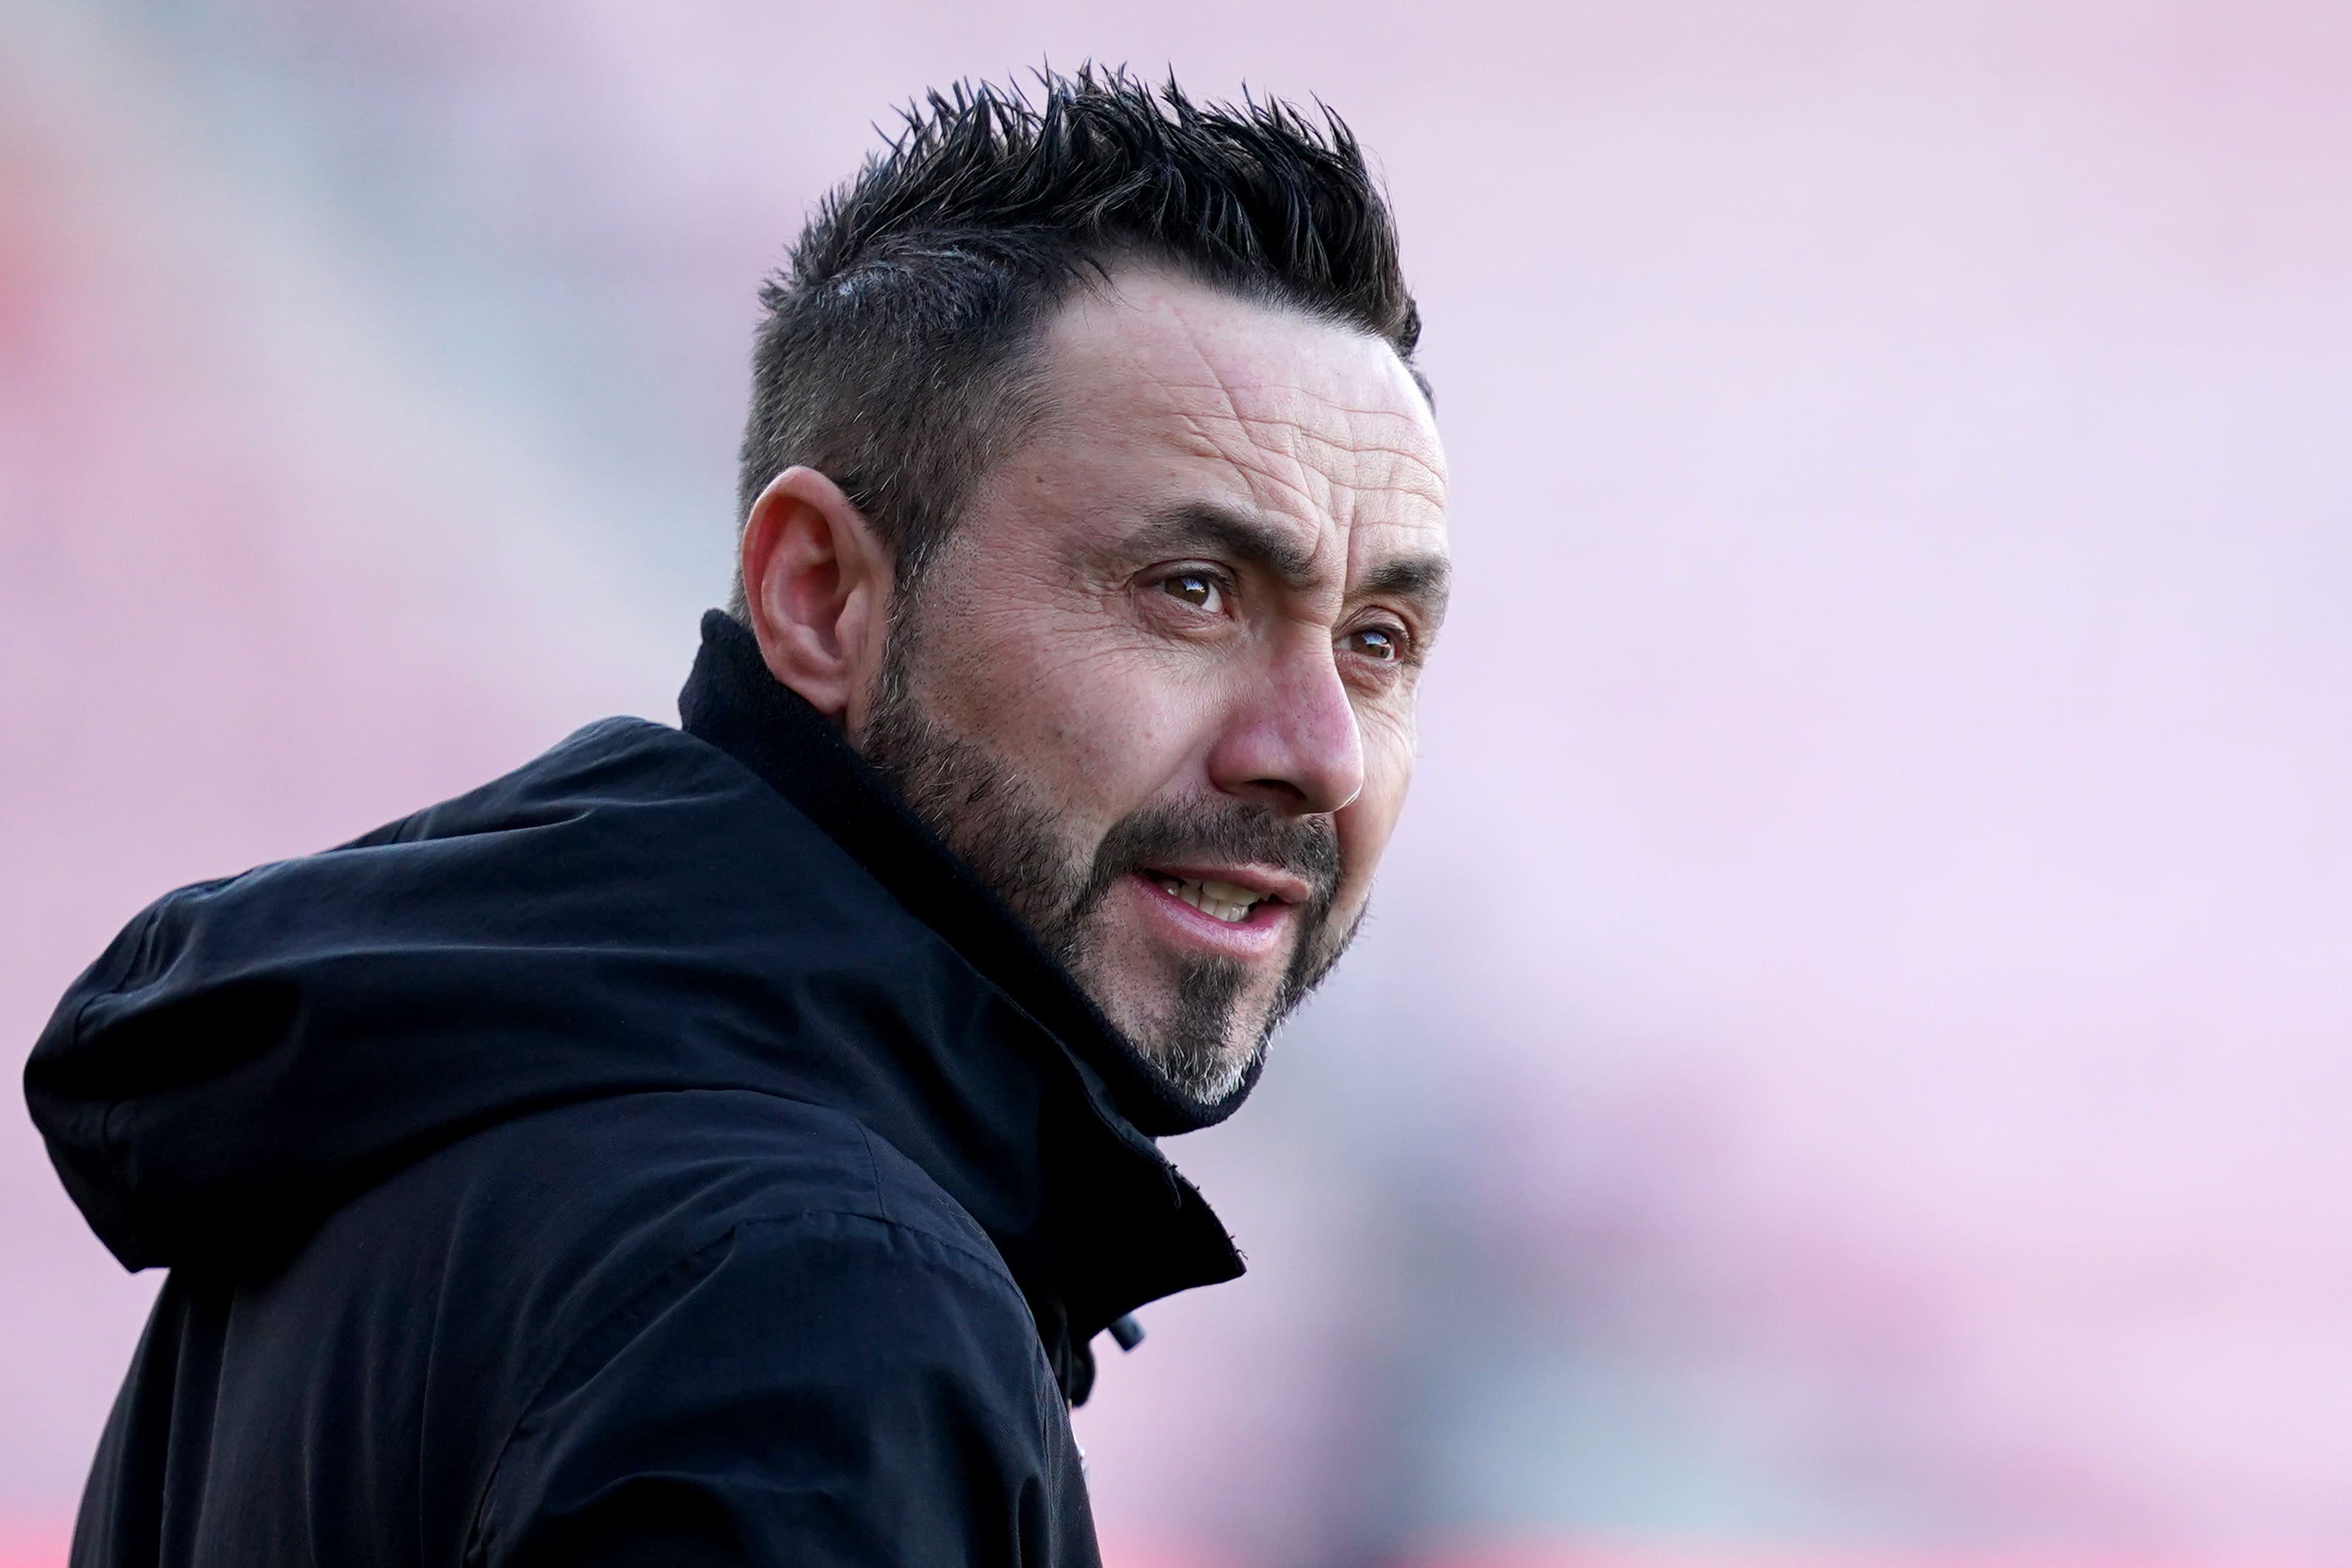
(567,1210)
(838,1368)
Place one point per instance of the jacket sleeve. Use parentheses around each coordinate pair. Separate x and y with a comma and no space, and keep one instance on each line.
(824,1390)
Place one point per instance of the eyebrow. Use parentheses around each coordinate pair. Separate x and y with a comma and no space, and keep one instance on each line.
(1210,529)
(1206,528)
(1426,579)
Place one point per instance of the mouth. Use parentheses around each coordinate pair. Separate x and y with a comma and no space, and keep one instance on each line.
(1221,900)
(1243,912)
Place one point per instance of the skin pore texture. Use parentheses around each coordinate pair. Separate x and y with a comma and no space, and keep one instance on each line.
(1157,687)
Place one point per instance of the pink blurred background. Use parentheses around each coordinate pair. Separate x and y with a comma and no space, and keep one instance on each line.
(1850,1064)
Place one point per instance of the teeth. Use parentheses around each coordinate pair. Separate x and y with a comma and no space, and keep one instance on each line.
(1222,899)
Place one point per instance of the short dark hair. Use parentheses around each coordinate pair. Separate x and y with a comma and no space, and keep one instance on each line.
(896,351)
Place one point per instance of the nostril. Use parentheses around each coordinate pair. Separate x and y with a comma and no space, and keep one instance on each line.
(1282,790)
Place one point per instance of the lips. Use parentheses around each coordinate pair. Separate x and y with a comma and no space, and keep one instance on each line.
(1228,902)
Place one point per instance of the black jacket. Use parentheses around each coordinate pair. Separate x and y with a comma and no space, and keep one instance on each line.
(666,1153)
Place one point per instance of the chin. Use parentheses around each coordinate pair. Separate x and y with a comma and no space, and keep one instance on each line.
(1201,1034)
(1201,1016)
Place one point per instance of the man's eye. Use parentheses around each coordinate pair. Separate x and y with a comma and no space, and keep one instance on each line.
(1195,588)
(1382,643)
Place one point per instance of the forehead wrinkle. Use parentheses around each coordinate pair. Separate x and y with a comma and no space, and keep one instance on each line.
(1349,416)
(1365,467)
(1327,514)
(1284,397)
(1260,464)
(1307,444)
(1311,458)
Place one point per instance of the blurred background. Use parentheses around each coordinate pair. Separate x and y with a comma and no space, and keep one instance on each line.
(1850,1064)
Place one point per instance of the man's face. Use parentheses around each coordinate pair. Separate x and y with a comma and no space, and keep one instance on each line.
(1157,688)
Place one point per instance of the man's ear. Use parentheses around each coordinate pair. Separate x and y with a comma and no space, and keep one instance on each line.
(817,583)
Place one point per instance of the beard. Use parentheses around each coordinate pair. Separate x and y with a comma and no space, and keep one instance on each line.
(1023,849)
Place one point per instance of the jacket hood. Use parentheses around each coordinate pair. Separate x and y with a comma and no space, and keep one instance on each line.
(741,905)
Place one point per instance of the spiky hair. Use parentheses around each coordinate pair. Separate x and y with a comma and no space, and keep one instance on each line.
(896,351)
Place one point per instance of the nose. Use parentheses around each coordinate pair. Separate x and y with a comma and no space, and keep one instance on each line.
(1290,739)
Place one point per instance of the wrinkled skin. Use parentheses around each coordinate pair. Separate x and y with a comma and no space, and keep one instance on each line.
(1178,636)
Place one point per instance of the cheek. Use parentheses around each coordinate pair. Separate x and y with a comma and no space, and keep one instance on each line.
(1105,725)
(1365,828)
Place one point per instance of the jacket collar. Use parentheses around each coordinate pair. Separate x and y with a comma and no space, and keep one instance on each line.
(1123,1228)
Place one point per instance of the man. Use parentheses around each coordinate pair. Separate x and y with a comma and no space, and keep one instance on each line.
(721,1145)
